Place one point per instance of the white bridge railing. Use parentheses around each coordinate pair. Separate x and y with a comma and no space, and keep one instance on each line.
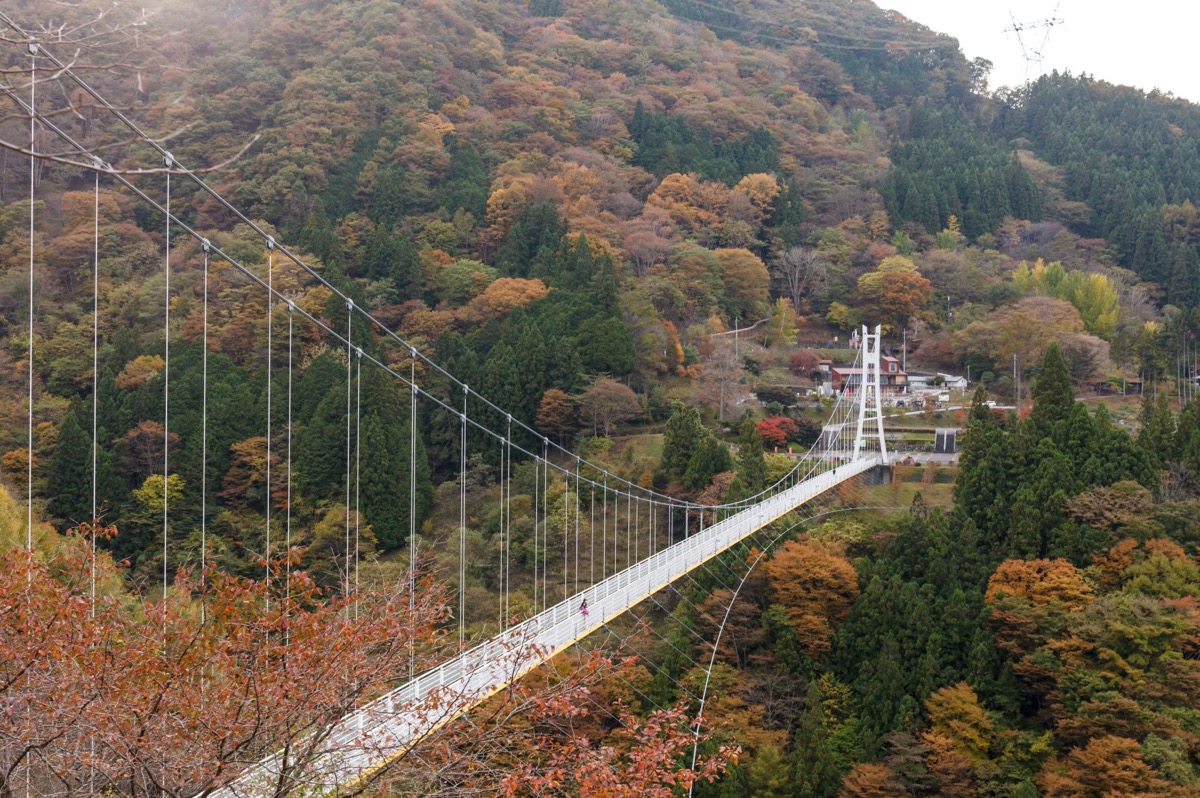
(371,737)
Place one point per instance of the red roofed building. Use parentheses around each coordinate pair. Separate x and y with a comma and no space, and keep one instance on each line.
(892,380)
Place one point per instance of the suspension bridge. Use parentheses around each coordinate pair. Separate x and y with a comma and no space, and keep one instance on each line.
(643,540)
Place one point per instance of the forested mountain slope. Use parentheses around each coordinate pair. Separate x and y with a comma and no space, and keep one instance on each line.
(1133,159)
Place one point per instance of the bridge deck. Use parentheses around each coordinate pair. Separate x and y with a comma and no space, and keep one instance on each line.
(374,735)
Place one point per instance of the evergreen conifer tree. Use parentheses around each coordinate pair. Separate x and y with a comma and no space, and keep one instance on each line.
(1157,434)
(1052,396)
(681,436)
(386,462)
(752,467)
(710,458)
(1037,504)
(983,487)
(69,481)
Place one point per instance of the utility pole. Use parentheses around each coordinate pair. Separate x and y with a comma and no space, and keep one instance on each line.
(1016,383)
(736,322)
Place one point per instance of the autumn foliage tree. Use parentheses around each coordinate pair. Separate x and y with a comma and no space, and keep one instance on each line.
(607,402)
(501,296)
(777,430)
(815,586)
(1107,767)
(894,292)
(641,761)
(557,414)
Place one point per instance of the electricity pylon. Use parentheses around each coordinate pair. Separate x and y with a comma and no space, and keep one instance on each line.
(1031,54)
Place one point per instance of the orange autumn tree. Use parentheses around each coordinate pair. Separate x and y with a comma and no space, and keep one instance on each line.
(1029,600)
(504,295)
(691,203)
(557,414)
(1040,582)
(640,761)
(956,717)
(1107,767)
(816,587)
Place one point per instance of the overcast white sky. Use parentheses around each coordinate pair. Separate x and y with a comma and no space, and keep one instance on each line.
(1149,44)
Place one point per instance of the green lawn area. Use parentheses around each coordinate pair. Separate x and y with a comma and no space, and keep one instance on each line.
(1120,408)
(636,447)
(900,494)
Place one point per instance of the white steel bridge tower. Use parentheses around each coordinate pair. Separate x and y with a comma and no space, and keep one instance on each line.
(870,399)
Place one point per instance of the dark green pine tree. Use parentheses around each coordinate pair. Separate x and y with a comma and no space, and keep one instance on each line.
(501,382)
(1150,257)
(1183,286)
(638,122)
(320,448)
(710,458)
(230,393)
(69,478)
(681,436)
(989,673)
(379,254)
(393,258)
(314,383)
(1117,457)
(1157,434)
(1187,436)
(466,182)
(389,197)
(605,346)
(1024,199)
(573,265)
(316,234)
(386,459)
(787,215)
(883,609)
(603,289)
(564,370)
(816,769)
(545,8)
(1053,397)
(983,488)
(752,466)
(532,241)
(1037,503)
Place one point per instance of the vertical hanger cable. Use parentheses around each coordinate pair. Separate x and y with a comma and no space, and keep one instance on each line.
(270,354)
(33,52)
(95,521)
(166,370)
